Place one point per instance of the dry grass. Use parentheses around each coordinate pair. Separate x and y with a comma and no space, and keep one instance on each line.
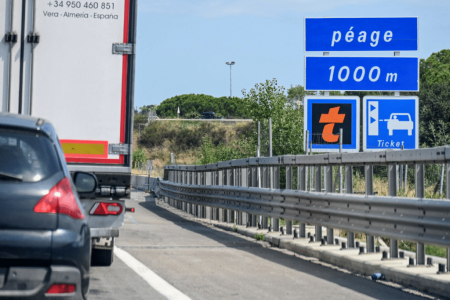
(187,148)
(380,185)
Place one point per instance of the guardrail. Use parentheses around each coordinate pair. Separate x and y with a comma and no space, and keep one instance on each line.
(245,189)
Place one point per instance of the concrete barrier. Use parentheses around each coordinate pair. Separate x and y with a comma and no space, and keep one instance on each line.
(143,182)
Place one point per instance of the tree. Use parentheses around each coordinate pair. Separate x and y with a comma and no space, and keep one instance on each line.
(268,100)
(434,112)
(298,93)
(196,104)
(436,68)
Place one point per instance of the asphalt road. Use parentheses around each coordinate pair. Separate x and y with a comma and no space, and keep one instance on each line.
(203,262)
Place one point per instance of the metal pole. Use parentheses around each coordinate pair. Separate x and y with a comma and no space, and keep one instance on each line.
(406,179)
(420,193)
(270,152)
(311,168)
(288,187)
(318,171)
(370,240)
(447,196)
(306,151)
(329,189)
(392,179)
(301,185)
(258,154)
(442,181)
(231,91)
(341,141)
(349,190)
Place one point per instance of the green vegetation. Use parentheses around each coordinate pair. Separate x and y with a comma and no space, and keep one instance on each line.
(193,105)
(185,139)
(268,100)
(259,236)
(138,157)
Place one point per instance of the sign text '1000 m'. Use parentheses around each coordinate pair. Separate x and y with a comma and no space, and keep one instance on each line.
(361,73)
(361,34)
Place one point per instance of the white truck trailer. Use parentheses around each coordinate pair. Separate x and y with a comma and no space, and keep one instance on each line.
(73,63)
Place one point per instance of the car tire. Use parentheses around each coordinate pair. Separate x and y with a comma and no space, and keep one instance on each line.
(102,257)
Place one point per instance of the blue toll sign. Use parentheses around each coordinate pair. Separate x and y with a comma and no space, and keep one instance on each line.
(361,34)
(324,119)
(390,122)
(327,73)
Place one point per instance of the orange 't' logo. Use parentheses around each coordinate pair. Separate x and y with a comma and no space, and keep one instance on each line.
(332,118)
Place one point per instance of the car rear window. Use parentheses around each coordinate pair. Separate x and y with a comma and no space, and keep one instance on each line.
(26,156)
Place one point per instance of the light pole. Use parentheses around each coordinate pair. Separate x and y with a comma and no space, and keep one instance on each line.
(230,64)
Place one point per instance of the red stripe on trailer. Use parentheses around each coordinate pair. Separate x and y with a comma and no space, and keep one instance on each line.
(120,160)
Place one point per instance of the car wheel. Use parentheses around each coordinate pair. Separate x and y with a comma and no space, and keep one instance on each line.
(409,132)
(102,257)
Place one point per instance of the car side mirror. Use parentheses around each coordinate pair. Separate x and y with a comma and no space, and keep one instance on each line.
(85,183)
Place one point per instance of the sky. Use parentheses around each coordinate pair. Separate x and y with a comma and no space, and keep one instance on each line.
(183,45)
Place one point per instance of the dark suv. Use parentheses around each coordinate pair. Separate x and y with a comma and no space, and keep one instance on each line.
(210,115)
(44,236)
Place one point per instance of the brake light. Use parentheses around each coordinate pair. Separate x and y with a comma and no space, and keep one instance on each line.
(61,288)
(60,200)
(106,208)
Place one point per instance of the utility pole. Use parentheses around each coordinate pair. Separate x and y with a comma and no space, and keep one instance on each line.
(230,64)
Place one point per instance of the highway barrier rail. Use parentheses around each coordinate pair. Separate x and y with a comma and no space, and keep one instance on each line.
(247,191)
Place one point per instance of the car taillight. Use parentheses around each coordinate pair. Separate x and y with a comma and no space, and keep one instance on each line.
(106,208)
(61,288)
(60,200)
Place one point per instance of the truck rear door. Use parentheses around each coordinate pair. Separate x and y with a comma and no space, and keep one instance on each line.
(73,64)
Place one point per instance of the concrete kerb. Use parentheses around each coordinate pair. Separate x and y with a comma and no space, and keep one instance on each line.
(423,279)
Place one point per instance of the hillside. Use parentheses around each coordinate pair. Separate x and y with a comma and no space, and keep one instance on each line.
(184,138)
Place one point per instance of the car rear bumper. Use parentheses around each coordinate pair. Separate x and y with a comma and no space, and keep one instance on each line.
(34,282)
(104,232)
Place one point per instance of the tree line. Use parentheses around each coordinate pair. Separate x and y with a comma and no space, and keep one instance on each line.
(193,105)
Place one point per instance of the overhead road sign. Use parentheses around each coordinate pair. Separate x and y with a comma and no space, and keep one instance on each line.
(325,116)
(362,34)
(390,122)
(327,73)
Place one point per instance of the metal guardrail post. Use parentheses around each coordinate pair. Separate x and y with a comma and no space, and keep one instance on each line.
(253,183)
(189,181)
(318,175)
(229,180)
(220,179)
(301,185)
(244,183)
(420,193)
(288,187)
(392,182)
(368,175)
(447,195)
(275,185)
(208,209)
(349,190)
(265,184)
(328,178)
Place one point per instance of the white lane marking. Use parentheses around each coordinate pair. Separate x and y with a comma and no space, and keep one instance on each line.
(131,219)
(156,282)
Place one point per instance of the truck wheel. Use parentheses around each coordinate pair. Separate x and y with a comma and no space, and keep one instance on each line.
(102,257)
